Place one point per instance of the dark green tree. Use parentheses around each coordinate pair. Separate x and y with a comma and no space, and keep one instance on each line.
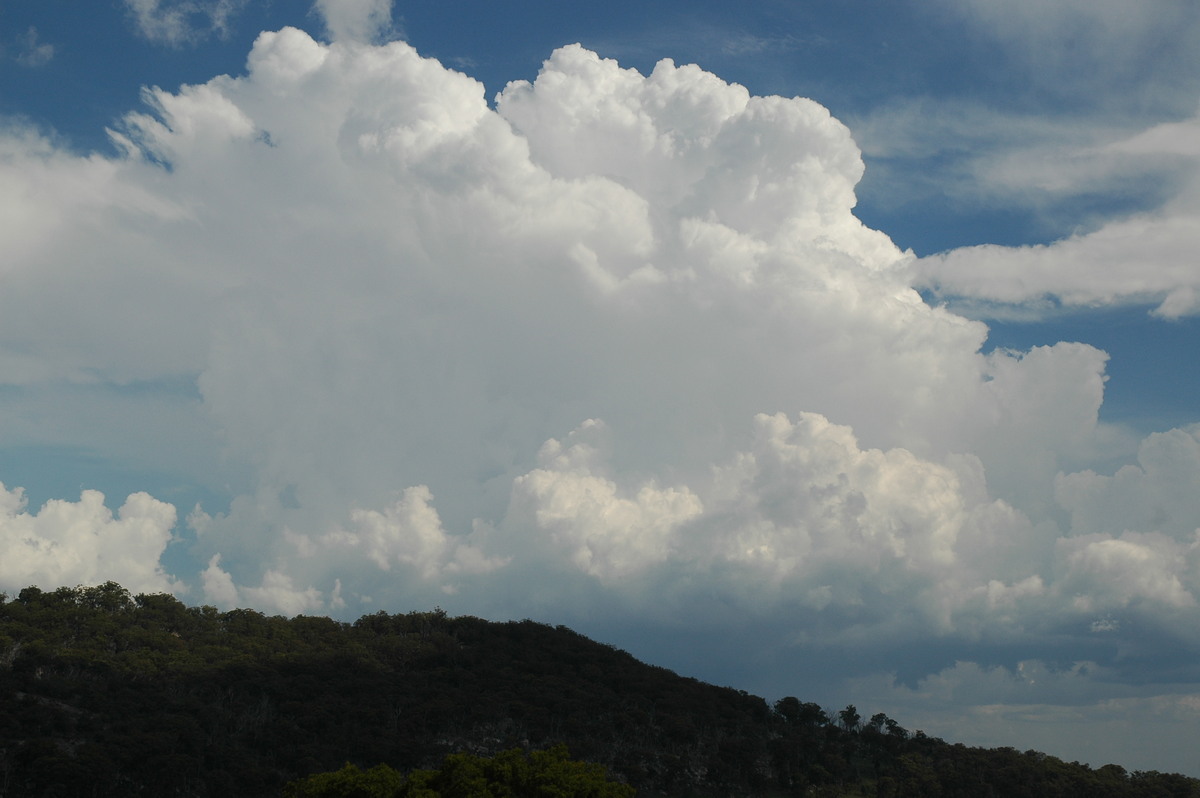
(510,774)
(380,781)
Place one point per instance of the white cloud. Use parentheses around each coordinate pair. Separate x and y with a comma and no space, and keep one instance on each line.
(1100,153)
(402,547)
(1103,574)
(356,20)
(804,518)
(70,543)
(1067,169)
(217,585)
(30,52)
(1094,151)
(178,22)
(410,532)
(586,519)
(1156,495)
(1146,257)
(277,593)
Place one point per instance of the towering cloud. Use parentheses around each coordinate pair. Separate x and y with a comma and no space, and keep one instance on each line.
(389,292)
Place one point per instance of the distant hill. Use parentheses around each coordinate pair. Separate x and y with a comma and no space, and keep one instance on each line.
(105,694)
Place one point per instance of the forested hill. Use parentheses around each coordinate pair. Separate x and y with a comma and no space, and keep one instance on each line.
(103,693)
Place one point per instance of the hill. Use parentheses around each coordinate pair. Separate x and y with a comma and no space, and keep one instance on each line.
(103,693)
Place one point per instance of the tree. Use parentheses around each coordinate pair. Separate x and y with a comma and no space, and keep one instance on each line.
(849,718)
(542,774)
(380,781)
(510,774)
(109,597)
(796,713)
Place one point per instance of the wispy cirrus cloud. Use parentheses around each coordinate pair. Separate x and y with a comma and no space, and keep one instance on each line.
(30,51)
(180,22)
(1106,53)
(1143,258)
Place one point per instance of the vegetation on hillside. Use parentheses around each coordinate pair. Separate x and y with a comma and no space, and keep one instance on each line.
(509,774)
(103,693)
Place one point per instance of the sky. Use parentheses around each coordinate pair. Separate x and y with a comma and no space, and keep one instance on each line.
(844,350)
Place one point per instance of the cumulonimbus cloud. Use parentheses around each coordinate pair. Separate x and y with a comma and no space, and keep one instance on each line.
(388,289)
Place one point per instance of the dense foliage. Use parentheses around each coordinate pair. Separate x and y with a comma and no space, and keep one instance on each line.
(509,774)
(103,693)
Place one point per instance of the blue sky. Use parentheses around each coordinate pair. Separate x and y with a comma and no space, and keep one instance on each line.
(849,354)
